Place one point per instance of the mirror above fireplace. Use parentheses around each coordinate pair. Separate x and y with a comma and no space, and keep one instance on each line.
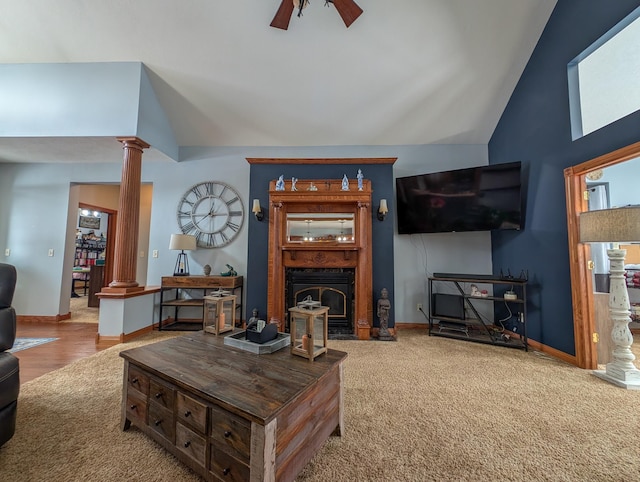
(326,228)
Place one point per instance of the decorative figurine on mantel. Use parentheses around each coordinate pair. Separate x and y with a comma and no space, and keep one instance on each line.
(360,177)
(384,307)
(206,269)
(280,183)
(312,187)
(345,183)
(294,180)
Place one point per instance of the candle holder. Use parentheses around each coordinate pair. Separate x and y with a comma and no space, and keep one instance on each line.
(309,331)
(219,312)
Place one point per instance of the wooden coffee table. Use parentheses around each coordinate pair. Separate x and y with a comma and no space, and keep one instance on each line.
(231,414)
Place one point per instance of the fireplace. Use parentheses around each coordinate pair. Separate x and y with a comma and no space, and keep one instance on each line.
(320,235)
(333,287)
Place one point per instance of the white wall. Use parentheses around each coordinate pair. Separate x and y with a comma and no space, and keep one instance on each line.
(623,183)
(36,201)
(418,256)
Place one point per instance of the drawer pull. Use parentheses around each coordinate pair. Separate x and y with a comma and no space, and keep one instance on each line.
(187,413)
(227,434)
(187,443)
(133,407)
(134,380)
(226,471)
(159,395)
(158,422)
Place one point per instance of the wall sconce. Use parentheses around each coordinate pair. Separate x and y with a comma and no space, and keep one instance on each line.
(257,210)
(382,210)
(182,242)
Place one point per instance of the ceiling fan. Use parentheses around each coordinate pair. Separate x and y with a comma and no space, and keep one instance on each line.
(348,10)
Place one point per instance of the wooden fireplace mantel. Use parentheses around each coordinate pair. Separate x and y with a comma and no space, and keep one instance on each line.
(328,197)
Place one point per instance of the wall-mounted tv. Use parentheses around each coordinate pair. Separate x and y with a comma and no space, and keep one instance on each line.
(473,199)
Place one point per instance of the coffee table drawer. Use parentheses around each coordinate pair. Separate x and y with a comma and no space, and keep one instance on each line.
(161,393)
(138,380)
(191,412)
(191,443)
(161,421)
(230,431)
(136,407)
(225,467)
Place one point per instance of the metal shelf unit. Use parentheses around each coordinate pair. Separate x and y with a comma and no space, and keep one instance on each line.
(478,328)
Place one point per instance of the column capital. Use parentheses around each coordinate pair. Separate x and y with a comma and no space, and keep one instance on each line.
(133,142)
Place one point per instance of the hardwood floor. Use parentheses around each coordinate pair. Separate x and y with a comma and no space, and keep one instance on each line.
(75,341)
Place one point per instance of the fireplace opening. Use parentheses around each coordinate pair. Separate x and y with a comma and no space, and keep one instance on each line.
(332,287)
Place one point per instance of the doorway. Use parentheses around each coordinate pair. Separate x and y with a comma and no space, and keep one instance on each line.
(582,286)
(93,260)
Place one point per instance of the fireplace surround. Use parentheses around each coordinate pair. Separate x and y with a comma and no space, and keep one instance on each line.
(324,250)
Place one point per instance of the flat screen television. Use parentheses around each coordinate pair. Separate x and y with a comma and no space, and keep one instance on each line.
(481,198)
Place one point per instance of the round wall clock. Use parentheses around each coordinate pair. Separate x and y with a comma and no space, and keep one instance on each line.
(595,175)
(211,211)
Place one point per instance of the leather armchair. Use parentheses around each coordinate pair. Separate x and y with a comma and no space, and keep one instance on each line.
(9,368)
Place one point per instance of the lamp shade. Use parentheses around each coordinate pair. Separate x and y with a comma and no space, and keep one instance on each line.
(617,225)
(184,242)
(383,206)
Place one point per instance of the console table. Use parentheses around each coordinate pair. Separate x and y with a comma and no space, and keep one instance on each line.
(178,292)
(230,414)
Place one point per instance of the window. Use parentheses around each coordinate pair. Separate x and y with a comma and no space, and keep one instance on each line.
(603,80)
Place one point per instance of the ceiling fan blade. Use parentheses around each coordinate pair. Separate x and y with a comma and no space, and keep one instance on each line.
(283,15)
(348,10)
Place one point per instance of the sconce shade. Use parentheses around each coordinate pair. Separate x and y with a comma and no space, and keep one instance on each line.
(184,242)
(382,210)
(257,210)
(616,225)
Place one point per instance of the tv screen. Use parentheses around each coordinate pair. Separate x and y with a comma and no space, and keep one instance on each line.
(473,199)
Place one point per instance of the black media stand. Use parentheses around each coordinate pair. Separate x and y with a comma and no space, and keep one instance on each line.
(457,314)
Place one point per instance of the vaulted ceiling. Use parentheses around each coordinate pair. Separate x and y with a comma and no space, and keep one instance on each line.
(405,72)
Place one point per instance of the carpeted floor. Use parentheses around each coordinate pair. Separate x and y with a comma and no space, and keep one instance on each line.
(421,409)
(81,313)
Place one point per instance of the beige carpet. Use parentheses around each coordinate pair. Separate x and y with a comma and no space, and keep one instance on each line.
(420,409)
(81,313)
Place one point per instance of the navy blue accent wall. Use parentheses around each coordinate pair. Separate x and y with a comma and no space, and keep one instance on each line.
(535,128)
(381,177)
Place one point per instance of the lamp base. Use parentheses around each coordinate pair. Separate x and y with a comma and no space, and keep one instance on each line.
(182,265)
(629,379)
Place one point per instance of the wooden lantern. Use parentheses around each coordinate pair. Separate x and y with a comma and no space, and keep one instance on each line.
(309,331)
(219,312)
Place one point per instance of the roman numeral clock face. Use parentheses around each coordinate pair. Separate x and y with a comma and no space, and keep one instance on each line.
(212,212)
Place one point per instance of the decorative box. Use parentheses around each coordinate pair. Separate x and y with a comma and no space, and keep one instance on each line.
(219,312)
(268,333)
(309,331)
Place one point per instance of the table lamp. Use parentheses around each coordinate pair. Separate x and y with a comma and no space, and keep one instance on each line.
(182,242)
(616,226)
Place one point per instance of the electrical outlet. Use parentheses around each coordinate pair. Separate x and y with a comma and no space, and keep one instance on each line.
(155,253)
(419,306)
(7,252)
